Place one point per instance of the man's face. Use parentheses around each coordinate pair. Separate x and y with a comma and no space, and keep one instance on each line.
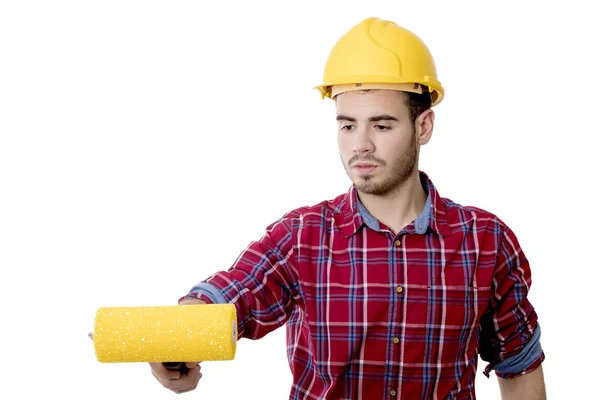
(376,139)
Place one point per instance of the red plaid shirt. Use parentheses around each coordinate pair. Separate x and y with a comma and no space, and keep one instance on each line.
(375,315)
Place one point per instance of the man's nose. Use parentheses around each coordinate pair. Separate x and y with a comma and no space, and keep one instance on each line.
(362,142)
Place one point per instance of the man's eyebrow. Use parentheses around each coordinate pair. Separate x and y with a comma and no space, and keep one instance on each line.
(381,117)
(345,118)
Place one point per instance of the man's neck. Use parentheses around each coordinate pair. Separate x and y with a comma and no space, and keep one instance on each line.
(400,207)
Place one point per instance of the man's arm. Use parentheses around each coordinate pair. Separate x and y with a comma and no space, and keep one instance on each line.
(262,283)
(510,332)
(525,387)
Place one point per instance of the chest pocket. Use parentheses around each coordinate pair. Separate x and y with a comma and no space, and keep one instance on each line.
(443,319)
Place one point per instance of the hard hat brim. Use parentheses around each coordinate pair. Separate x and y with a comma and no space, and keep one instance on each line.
(434,87)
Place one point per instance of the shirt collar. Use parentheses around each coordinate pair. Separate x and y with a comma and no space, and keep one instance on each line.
(354,214)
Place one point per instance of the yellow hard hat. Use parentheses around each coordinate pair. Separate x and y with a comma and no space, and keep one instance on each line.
(380,54)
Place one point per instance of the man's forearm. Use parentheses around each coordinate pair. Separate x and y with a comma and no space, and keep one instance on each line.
(525,387)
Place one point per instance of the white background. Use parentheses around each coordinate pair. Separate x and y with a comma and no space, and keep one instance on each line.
(145,143)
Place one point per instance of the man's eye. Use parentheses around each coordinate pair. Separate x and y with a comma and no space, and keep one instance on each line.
(346,127)
(382,127)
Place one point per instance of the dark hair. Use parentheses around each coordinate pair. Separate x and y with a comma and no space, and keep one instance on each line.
(418,103)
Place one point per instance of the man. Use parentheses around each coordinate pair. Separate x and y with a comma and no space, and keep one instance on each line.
(389,290)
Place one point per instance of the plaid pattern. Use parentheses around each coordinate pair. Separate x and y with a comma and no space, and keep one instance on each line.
(373,315)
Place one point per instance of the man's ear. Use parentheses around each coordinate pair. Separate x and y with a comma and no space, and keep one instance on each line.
(424,126)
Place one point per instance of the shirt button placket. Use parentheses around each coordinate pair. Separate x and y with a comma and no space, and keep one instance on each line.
(399,289)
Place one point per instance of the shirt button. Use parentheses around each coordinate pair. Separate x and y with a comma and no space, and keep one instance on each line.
(398,242)
(399,289)
(392,392)
(396,340)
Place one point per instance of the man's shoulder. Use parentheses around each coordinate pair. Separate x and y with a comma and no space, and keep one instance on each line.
(320,211)
(459,214)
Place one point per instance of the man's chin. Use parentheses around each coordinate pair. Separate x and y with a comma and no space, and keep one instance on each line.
(366,186)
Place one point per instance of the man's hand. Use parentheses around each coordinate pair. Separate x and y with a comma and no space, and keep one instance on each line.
(190,300)
(174,380)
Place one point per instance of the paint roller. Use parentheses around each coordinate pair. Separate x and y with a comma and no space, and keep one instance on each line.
(171,335)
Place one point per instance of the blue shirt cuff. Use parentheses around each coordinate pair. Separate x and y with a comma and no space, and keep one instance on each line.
(210,291)
(521,361)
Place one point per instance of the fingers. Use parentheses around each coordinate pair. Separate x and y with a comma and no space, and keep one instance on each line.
(188,382)
(190,300)
(175,381)
(159,370)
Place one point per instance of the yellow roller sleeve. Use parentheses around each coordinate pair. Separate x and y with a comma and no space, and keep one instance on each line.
(197,332)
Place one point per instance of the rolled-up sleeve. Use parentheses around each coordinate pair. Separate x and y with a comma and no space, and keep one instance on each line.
(509,330)
(262,283)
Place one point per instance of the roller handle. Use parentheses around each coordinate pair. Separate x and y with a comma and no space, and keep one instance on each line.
(176,366)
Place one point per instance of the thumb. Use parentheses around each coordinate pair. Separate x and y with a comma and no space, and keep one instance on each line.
(191,365)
